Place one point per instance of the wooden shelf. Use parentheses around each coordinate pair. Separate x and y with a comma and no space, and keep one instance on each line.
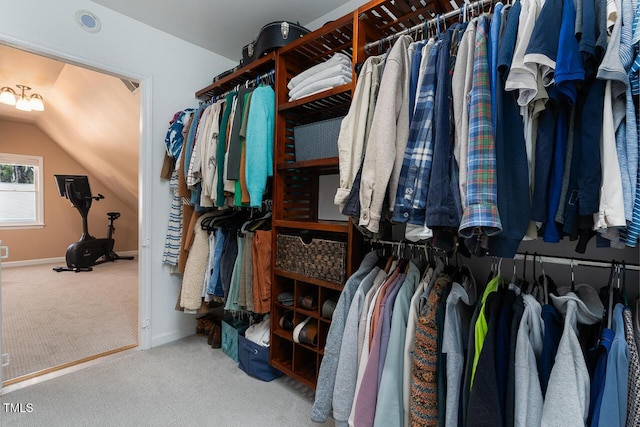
(307,346)
(309,313)
(328,226)
(283,333)
(307,378)
(335,36)
(285,307)
(329,104)
(325,166)
(306,279)
(259,66)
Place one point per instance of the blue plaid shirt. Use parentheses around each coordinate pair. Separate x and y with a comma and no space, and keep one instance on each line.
(411,197)
(481,215)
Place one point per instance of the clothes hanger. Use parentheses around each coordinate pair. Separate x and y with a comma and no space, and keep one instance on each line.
(524,268)
(610,291)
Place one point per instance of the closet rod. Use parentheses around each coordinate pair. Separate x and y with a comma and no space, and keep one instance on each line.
(405,244)
(257,78)
(573,261)
(396,243)
(443,18)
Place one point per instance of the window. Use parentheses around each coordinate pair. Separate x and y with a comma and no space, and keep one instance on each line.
(21,197)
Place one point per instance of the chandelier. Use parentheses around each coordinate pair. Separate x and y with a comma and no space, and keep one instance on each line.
(23,102)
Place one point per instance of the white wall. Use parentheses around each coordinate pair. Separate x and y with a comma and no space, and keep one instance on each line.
(171,71)
(338,12)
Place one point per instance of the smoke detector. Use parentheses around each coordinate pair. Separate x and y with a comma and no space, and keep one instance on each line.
(88,21)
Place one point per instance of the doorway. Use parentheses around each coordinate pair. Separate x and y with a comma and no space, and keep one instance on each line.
(55,320)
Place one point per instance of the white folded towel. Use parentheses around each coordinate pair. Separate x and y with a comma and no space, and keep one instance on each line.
(338,58)
(322,85)
(336,70)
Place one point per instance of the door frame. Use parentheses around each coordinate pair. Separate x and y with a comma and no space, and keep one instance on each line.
(145,179)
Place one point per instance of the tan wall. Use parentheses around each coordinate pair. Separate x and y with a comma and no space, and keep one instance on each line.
(63,224)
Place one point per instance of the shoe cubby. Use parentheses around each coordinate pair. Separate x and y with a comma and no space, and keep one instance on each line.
(305,364)
(322,334)
(281,352)
(306,299)
(328,301)
(281,286)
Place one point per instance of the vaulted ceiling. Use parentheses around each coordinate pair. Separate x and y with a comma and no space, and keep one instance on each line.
(94,117)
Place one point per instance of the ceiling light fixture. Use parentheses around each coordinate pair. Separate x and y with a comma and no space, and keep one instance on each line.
(23,102)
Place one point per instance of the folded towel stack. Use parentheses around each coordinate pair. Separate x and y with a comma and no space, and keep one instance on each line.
(334,72)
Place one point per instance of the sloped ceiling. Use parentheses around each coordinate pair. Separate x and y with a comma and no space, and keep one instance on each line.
(221,26)
(92,116)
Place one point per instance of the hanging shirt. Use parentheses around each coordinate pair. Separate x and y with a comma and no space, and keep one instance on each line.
(210,150)
(365,403)
(215,282)
(484,401)
(234,148)
(567,399)
(347,370)
(259,143)
(611,212)
(552,334)
(494,42)
(514,203)
(231,303)
(613,411)
(528,394)
(442,210)
(353,130)
(462,81)
(598,367)
(326,376)
(388,138)
(542,50)
(424,385)
(455,336)
(633,389)
(411,195)
(389,409)
(217,184)
(481,326)
(410,336)
(523,75)
(481,214)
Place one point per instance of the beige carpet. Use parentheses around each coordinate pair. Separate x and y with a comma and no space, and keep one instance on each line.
(49,318)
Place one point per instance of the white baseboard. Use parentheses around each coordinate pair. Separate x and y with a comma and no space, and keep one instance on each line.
(171,336)
(28,262)
(57,260)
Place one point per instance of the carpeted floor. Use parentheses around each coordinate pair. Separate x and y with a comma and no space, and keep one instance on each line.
(49,318)
(184,383)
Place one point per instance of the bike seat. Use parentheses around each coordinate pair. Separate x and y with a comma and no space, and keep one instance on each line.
(113,215)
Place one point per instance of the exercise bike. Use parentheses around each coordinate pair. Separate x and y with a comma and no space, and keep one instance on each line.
(88,251)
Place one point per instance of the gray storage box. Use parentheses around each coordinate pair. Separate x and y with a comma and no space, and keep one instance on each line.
(317,140)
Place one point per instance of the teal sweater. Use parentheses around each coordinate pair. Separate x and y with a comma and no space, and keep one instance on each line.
(259,143)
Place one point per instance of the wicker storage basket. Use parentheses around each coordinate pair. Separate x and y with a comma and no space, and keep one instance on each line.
(321,259)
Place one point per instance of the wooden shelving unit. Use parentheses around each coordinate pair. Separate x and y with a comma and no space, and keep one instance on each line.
(296,183)
(296,194)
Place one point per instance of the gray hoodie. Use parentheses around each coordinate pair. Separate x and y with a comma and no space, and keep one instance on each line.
(327,375)
(528,393)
